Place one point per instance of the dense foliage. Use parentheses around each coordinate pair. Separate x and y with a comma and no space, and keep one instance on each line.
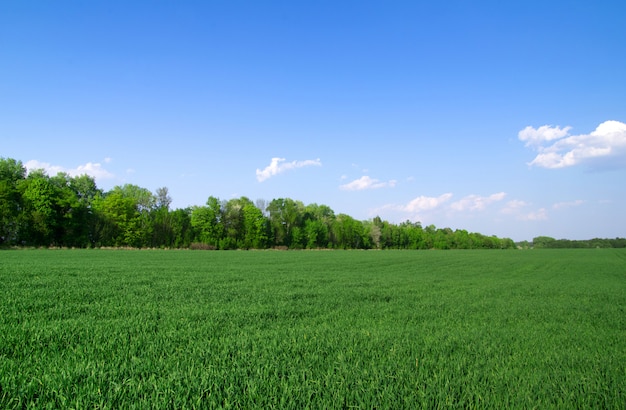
(549,242)
(66,211)
(115,329)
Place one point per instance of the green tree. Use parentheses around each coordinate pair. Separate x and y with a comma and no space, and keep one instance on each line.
(163,234)
(74,217)
(348,233)
(12,173)
(543,242)
(255,227)
(124,216)
(285,214)
(40,214)
(207,221)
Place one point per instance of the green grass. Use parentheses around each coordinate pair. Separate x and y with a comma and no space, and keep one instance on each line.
(313,329)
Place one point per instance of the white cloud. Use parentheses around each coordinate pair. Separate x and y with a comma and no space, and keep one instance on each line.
(558,149)
(366,182)
(539,215)
(542,134)
(92,169)
(476,202)
(561,205)
(426,203)
(514,206)
(517,209)
(278,165)
(415,208)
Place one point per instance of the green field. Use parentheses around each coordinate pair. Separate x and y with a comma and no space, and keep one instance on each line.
(313,329)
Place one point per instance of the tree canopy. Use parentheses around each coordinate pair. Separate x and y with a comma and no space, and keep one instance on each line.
(71,211)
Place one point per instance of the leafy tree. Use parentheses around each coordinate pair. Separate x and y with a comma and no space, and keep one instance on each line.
(182,230)
(348,233)
(255,227)
(207,221)
(74,217)
(124,216)
(12,173)
(39,214)
(543,241)
(285,214)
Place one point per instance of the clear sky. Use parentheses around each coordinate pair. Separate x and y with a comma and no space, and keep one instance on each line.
(504,118)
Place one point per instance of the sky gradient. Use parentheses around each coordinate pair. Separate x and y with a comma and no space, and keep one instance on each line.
(503,119)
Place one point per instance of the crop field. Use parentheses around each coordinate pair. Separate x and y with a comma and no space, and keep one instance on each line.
(313,329)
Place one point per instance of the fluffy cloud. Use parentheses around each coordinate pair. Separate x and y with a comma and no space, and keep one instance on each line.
(278,165)
(426,203)
(366,182)
(92,169)
(557,149)
(546,133)
(476,202)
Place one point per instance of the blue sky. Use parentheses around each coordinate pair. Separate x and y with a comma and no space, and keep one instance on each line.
(496,117)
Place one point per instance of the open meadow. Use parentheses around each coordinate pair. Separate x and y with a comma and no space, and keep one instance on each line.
(313,329)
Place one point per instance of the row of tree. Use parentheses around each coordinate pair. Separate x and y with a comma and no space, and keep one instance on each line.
(66,211)
(552,243)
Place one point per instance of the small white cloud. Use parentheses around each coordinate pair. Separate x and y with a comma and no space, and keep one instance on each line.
(538,136)
(561,205)
(415,208)
(517,209)
(108,160)
(366,182)
(92,169)
(558,149)
(539,215)
(278,165)
(476,202)
(426,203)
(514,206)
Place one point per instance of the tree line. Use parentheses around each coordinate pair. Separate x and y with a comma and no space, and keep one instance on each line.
(71,211)
(547,242)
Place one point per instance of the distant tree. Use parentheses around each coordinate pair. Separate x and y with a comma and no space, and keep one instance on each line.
(162,198)
(163,234)
(543,242)
(255,227)
(284,215)
(124,216)
(75,217)
(182,229)
(39,213)
(12,173)
(207,221)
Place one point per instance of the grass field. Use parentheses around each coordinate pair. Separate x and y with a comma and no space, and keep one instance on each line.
(313,329)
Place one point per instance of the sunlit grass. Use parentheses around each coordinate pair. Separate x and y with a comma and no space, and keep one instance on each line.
(391,329)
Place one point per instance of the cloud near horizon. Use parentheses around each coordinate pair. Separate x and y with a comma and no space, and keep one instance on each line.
(278,165)
(429,203)
(562,205)
(476,202)
(93,169)
(557,149)
(518,209)
(365,182)
(425,203)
